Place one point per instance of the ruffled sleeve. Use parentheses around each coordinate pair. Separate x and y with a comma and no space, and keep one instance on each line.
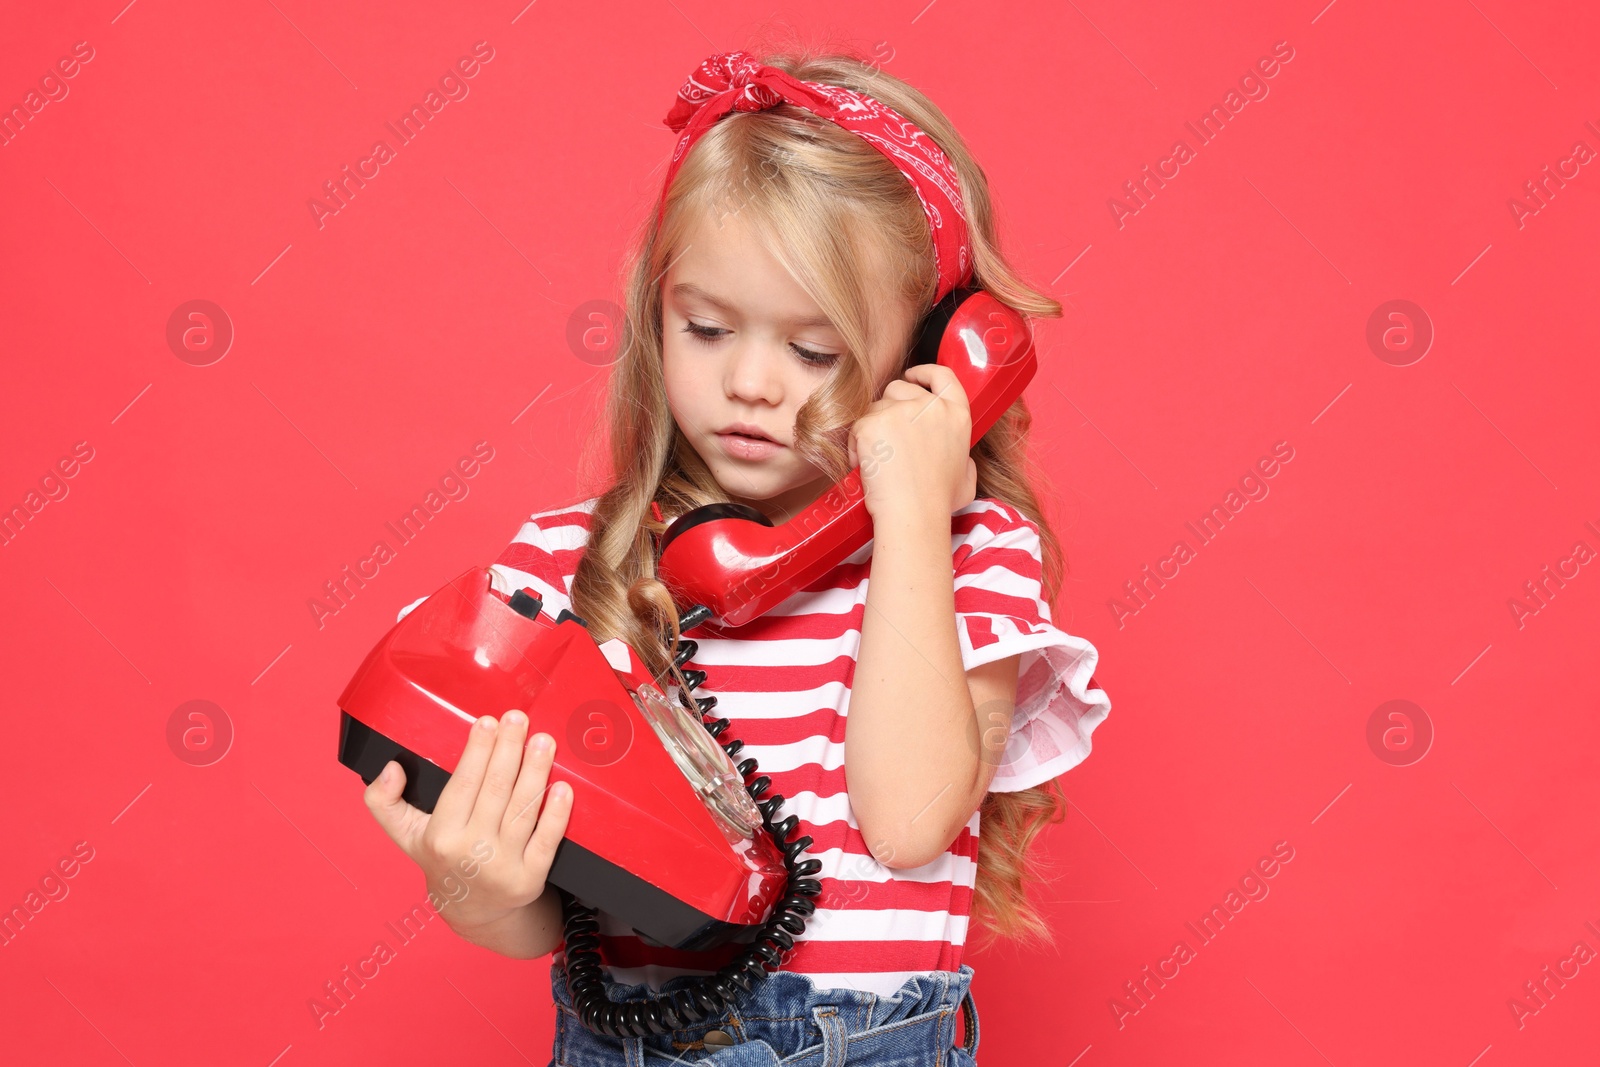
(1000,613)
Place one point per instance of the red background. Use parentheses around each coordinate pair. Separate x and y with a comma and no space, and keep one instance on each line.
(1227,315)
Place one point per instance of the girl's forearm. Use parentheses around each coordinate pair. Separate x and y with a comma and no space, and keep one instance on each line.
(911,735)
(531,931)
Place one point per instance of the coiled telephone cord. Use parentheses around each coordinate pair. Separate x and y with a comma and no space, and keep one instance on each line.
(708,995)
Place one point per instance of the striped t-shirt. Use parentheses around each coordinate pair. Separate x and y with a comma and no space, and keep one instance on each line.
(783,681)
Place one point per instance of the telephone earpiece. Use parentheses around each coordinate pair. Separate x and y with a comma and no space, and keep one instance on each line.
(732,559)
(929,334)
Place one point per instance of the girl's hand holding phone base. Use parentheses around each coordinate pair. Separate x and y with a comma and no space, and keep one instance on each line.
(487,847)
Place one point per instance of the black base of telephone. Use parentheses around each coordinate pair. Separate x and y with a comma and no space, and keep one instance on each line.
(586,875)
(366,751)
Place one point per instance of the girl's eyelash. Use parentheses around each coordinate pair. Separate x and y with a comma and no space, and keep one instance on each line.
(709,334)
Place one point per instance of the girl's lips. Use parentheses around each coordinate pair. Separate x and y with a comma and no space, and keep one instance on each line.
(747,447)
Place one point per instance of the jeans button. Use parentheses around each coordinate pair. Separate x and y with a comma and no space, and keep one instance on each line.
(718,1038)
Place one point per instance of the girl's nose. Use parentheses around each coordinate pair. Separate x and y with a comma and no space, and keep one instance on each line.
(752,373)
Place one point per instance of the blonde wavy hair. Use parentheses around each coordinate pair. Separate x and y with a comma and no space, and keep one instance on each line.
(829,206)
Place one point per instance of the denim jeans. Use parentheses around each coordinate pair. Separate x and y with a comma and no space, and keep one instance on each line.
(786,1020)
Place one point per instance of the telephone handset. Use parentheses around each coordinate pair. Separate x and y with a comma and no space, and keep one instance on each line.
(731,558)
(673,838)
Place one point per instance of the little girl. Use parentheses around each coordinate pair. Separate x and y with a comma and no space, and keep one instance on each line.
(815,209)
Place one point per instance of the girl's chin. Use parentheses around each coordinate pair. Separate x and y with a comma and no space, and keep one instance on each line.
(784,498)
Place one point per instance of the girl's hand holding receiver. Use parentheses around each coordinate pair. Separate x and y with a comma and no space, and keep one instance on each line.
(916,441)
(487,826)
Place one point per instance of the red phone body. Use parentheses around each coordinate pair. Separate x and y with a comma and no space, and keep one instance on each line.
(639,841)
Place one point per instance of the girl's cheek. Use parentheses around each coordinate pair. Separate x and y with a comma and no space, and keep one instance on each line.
(679,399)
(669,374)
(687,382)
(675,367)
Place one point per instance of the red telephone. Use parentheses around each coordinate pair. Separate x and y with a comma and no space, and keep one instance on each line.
(672,837)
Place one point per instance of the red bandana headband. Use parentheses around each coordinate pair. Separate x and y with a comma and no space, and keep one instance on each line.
(735,81)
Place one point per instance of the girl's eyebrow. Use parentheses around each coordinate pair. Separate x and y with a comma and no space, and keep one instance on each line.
(690,289)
